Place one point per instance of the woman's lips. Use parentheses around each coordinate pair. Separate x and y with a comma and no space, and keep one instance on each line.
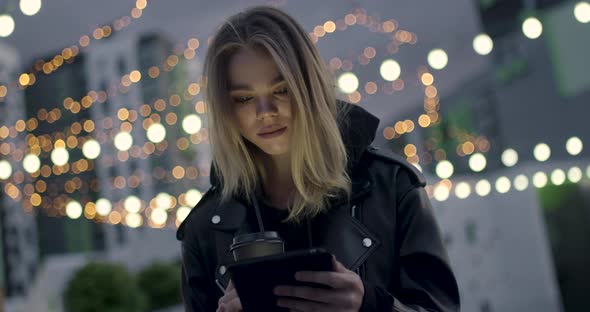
(272,134)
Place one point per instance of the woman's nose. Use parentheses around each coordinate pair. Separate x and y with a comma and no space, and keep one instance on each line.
(265,107)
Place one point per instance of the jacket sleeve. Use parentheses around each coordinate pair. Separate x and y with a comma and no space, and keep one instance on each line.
(425,282)
(198,293)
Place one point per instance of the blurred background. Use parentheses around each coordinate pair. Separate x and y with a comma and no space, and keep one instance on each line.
(104,146)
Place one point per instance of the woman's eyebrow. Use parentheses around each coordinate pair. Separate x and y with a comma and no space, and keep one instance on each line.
(236,87)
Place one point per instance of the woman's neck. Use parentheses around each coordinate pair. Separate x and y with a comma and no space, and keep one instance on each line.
(279,186)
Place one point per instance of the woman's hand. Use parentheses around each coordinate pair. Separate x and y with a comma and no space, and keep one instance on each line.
(346,294)
(230,301)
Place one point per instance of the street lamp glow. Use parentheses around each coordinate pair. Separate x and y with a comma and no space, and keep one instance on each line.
(574,146)
(133,220)
(575,174)
(30,7)
(441,192)
(483,44)
(192,197)
(390,70)
(156,133)
(73,210)
(540,179)
(164,200)
(103,206)
(542,152)
(348,83)
(444,169)
(5,169)
(31,163)
(6,25)
(132,204)
(557,177)
(123,141)
(182,213)
(532,28)
(438,59)
(462,190)
(477,162)
(521,182)
(503,185)
(483,188)
(159,216)
(91,149)
(60,156)
(509,157)
(192,124)
(582,12)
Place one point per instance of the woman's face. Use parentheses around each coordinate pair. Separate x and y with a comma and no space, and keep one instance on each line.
(260,100)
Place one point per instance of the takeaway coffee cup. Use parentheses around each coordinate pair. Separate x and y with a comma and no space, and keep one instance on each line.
(257,244)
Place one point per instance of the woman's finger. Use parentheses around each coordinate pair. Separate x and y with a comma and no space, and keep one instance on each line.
(230,295)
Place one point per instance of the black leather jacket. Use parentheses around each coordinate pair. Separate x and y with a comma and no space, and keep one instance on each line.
(386,233)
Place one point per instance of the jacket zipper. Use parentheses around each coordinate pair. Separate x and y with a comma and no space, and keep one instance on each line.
(353,214)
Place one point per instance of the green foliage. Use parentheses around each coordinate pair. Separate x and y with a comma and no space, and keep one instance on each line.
(161,284)
(103,287)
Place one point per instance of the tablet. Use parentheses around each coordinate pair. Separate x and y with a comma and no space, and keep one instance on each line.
(256,278)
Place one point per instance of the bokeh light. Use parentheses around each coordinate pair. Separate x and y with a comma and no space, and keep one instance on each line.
(483,44)
(91,149)
(6,25)
(477,162)
(582,12)
(390,70)
(532,28)
(444,169)
(462,190)
(438,59)
(31,163)
(103,206)
(483,188)
(574,174)
(30,7)
(521,182)
(348,83)
(191,124)
(5,169)
(542,152)
(503,185)
(123,141)
(73,210)
(574,146)
(540,179)
(60,156)
(509,157)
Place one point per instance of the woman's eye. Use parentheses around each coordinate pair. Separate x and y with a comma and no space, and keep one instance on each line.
(242,99)
(282,91)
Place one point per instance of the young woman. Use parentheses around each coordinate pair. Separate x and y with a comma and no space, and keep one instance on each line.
(282,142)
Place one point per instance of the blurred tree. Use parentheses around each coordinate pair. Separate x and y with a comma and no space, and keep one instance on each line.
(161,283)
(104,287)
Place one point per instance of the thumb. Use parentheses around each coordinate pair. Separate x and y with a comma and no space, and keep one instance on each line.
(338,267)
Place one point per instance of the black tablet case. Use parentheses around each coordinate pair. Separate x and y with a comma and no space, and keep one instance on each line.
(256,278)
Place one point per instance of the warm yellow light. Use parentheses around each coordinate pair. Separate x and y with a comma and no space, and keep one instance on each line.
(462,190)
(483,188)
(348,83)
(159,216)
(329,26)
(441,192)
(390,70)
(60,156)
(5,170)
(31,163)
(30,7)
(509,157)
(540,179)
(477,162)
(91,149)
(135,76)
(575,174)
(582,12)
(444,169)
(182,213)
(521,182)
(156,133)
(191,124)
(24,79)
(133,220)
(123,141)
(438,59)
(103,207)
(574,146)
(532,28)
(164,201)
(427,79)
(558,177)
(73,210)
(542,152)
(6,25)
(132,204)
(424,121)
(502,185)
(483,44)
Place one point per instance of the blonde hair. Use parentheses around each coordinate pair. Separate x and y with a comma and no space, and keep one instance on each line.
(318,154)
